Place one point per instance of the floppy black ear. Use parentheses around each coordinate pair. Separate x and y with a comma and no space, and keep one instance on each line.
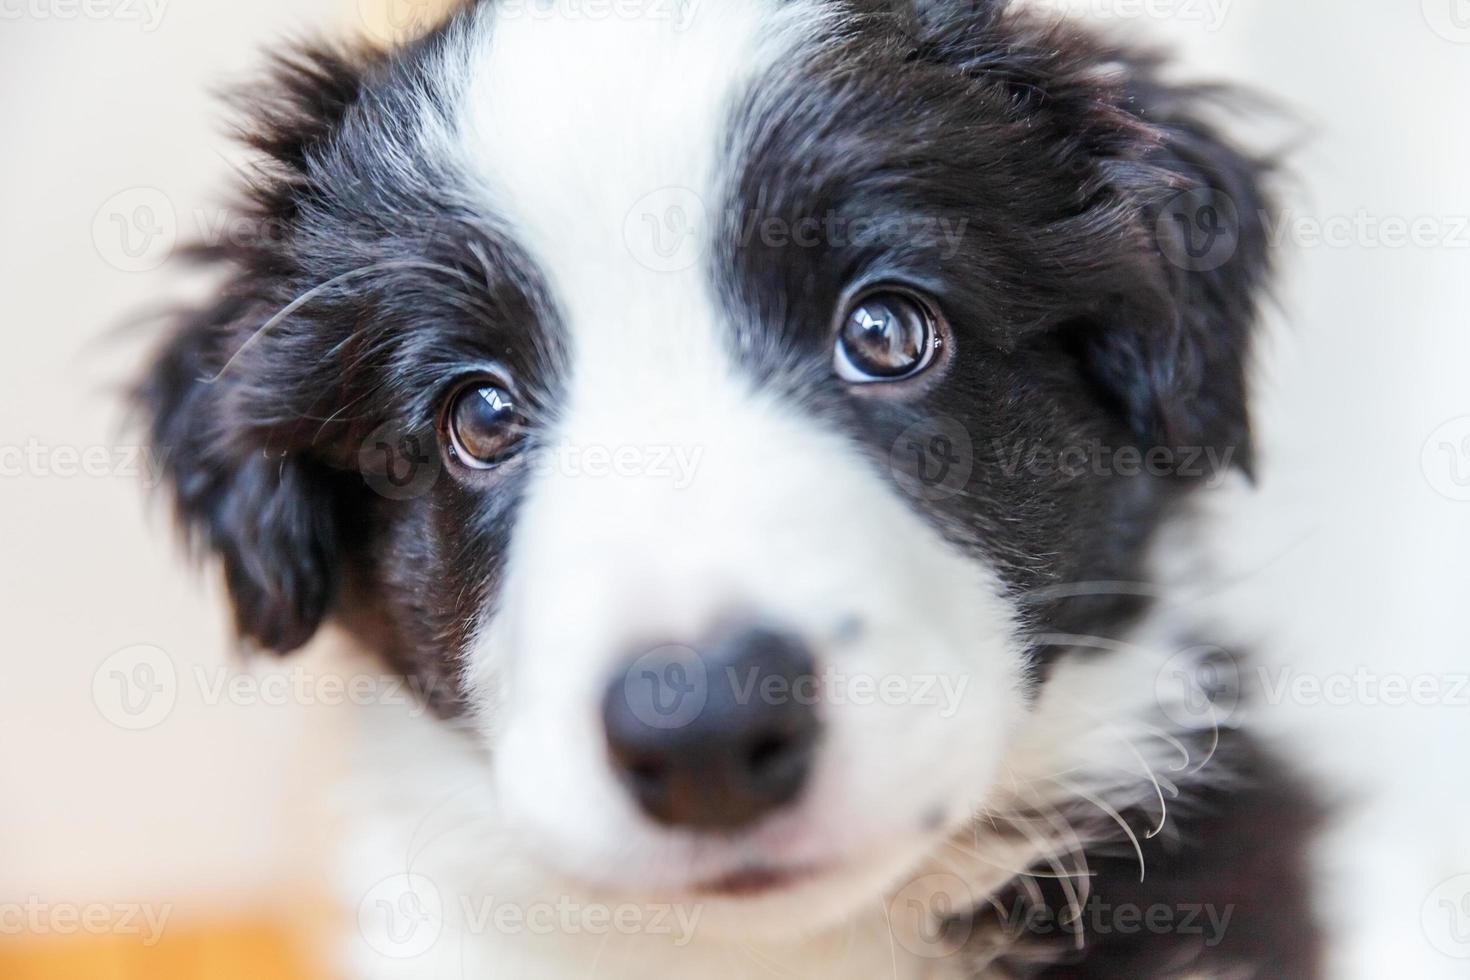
(246,484)
(1176,351)
(272,519)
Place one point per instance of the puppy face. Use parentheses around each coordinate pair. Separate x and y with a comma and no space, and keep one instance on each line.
(659,392)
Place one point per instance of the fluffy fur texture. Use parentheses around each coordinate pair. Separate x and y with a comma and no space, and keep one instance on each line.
(472,205)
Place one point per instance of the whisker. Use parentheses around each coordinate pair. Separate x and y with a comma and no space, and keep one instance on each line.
(1116,817)
(977,856)
(766,962)
(1059,822)
(892,942)
(321,287)
(1149,771)
(1049,855)
(295,305)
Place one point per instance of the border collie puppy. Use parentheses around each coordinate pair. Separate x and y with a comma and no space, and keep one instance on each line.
(753,428)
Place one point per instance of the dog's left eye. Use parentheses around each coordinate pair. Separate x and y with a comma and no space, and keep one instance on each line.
(484,425)
(885,336)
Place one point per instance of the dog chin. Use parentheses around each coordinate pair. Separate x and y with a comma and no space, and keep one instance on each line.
(775,904)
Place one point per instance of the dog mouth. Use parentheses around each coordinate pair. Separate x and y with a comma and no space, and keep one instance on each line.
(751,878)
(754,881)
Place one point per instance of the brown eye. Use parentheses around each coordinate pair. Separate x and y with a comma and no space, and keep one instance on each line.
(484,425)
(885,336)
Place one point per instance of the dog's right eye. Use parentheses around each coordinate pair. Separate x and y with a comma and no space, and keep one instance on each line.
(484,425)
(886,335)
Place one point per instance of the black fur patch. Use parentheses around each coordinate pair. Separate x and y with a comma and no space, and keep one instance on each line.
(299,409)
(1025,178)
(1225,891)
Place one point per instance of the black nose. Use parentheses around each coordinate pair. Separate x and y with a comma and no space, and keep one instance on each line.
(716,738)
